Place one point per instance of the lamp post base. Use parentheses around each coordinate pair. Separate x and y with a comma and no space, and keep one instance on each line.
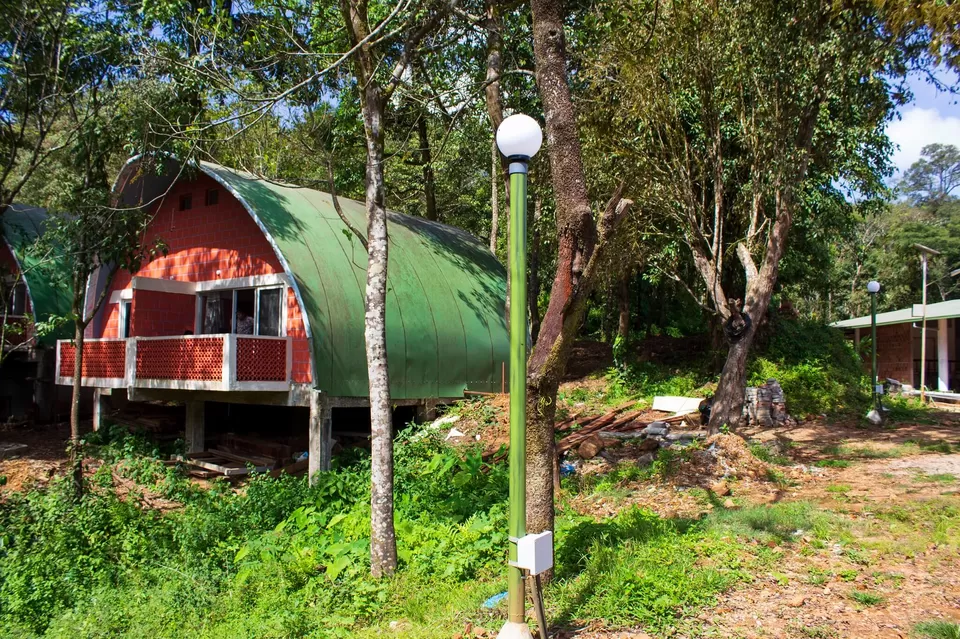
(515,630)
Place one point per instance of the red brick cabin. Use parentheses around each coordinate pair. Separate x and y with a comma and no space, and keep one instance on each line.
(219,318)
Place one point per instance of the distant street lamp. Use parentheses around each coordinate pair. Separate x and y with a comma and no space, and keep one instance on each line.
(519,138)
(873,288)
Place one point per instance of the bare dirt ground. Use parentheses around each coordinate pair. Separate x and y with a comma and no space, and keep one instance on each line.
(44,458)
(890,497)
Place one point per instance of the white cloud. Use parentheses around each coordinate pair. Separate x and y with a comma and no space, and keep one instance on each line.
(918,128)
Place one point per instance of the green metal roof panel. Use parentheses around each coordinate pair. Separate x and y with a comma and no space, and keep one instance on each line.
(47,280)
(446,330)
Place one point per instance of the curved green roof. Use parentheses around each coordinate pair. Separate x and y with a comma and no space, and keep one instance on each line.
(446,329)
(47,280)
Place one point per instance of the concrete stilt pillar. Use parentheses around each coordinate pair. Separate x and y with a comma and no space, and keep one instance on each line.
(101,405)
(321,429)
(943,356)
(44,389)
(195,435)
(426,411)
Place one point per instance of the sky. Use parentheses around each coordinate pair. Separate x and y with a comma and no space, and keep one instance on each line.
(931,117)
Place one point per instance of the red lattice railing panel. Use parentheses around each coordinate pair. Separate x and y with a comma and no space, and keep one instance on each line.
(195,358)
(261,360)
(105,360)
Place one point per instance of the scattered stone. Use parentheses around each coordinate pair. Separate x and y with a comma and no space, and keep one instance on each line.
(590,447)
(720,488)
(648,445)
(10,449)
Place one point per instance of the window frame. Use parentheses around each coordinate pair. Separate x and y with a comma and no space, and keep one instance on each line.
(282,288)
(17,289)
(125,319)
(281,307)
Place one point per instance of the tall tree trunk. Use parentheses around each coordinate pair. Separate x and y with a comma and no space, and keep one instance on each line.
(728,400)
(575,242)
(494,195)
(426,159)
(76,456)
(533,273)
(383,541)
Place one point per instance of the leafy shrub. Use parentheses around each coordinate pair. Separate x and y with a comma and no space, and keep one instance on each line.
(279,558)
(819,370)
(647,379)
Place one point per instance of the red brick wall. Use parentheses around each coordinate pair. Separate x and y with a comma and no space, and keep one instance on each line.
(200,242)
(894,352)
(156,314)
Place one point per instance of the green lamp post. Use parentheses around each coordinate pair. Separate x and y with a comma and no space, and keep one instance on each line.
(873,287)
(519,138)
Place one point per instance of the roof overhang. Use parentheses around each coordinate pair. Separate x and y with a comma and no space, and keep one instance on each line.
(940,310)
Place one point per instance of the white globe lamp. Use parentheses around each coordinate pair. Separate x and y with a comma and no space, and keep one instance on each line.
(519,136)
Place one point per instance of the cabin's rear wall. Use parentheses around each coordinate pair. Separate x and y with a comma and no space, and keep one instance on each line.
(204,243)
(894,352)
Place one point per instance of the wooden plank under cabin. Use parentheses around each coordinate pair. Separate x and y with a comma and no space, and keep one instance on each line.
(256,460)
(226,467)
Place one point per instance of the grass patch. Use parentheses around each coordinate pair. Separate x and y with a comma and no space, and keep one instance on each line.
(832,463)
(839,488)
(942,478)
(937,630)
(763,453)
(781,522)
(867,598)
(871,451)
(638,569)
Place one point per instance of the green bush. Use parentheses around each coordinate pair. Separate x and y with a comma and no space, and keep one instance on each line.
(647,379)
(275,557)
(819,370)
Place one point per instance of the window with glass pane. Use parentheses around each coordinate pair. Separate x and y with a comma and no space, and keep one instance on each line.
(17,301)
(268,322)
(216,312)
(125,308)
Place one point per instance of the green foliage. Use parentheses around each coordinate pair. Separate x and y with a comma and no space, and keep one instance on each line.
(647,379)
(637,569)
(867,598)
(937,630)
(276,548)
(763,453)
(817,368)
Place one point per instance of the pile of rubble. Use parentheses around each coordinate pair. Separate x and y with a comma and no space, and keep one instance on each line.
(722,456)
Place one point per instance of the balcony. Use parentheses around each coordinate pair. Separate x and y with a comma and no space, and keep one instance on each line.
(189,362)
